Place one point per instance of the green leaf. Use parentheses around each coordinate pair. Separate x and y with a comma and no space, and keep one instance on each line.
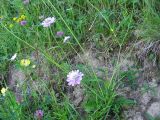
(149,117)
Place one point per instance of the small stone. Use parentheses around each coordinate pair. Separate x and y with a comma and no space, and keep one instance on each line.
(129,113)
(143,108)
(89,58)
(137,33)
(77,95)
(154,109)
(138,116)
(153,83)
(146,97)
(125,62)
(16,76)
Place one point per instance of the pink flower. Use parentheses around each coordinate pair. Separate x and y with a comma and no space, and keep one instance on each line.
(74,77)
(39,114)
(48,21)
(60,33)
(25,1)
(23,22)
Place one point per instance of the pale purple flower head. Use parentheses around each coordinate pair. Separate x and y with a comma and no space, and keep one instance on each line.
(25,1)
(23,22)
(48,21)
(60,33)
(39,114)
(74,77)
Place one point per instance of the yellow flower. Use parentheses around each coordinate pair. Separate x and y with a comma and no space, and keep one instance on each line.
(14,19)
(3,91)
(19,20)
(23,17)
(112,30)
(25,62)
(11,25)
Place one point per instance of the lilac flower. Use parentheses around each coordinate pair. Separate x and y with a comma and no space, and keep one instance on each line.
(39,114)
(23,22)
(74,77)
(25,1)
(66,39)
(60,33)
(48,21)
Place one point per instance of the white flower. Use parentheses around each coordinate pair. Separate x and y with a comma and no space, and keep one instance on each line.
(48,21)
(33,66)
(13,57)
(66,39)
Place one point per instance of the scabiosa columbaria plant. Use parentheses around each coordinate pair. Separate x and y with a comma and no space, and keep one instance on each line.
(39,114)
(25,1)
(23,22)
(74,77)
(60,33)
(48,21)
